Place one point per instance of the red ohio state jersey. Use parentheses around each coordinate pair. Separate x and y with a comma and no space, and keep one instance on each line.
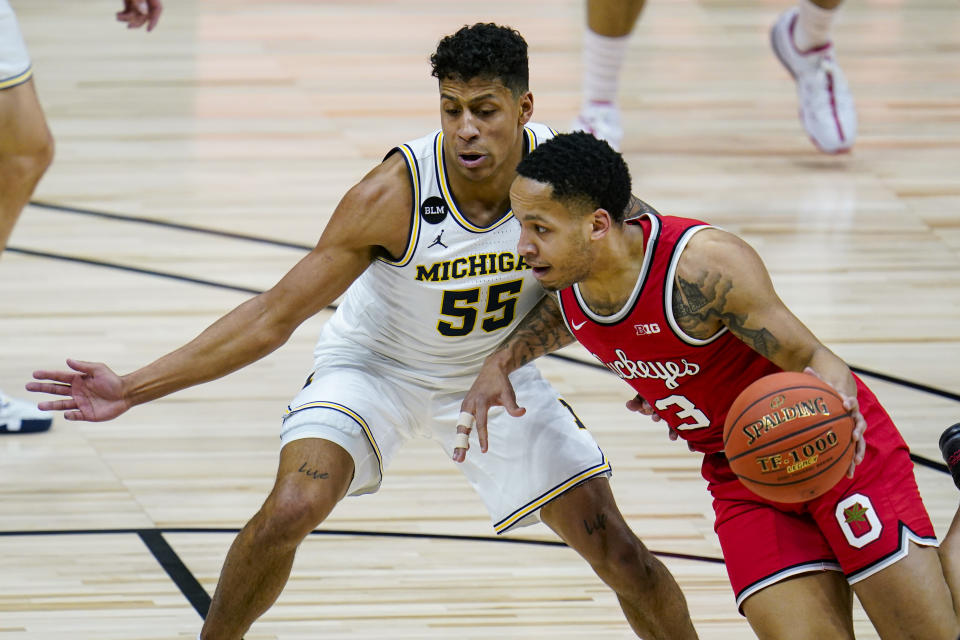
(690,382)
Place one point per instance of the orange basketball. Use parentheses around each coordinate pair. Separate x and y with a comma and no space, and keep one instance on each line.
(788,437)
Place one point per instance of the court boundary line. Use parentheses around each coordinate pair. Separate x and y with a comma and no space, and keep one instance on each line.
(200,600)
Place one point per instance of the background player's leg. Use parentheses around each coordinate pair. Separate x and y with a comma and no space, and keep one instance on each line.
(313,476)
(910,598)
(812,606)
(801,39)
(26,150)
(588,520)
(605,42)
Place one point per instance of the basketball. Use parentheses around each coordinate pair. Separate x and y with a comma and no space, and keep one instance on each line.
(788,437)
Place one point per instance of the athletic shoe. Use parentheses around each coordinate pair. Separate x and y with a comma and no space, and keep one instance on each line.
(826,106)
(602,119)
(950,450)
(19,416)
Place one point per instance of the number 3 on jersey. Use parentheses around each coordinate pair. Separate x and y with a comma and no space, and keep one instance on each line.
(685,410)
(462,305)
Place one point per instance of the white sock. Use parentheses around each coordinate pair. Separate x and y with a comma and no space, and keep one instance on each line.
(602,58)
(813,26)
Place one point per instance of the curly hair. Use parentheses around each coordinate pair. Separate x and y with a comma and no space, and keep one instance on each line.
(484,50)
(582,171)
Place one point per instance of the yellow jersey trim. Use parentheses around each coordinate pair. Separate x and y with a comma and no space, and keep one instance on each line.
(17,79)
(523,512)
(323,404)
(414,170)
(448,194)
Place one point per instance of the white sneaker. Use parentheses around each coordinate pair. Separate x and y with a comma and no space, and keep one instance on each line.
(602,119)
(19,416)
(826,106)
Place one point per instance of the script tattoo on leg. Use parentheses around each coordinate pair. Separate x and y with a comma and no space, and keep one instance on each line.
(599,523)
(310,473)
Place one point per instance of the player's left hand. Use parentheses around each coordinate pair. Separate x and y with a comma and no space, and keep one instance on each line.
(136,13)
(859,422)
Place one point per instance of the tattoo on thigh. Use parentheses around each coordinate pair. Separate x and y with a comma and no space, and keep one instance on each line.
(316,475)
(599,523)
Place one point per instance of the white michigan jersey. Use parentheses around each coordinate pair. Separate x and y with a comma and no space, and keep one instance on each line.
(454,295)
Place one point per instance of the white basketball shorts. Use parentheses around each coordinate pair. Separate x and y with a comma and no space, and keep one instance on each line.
(14,61)
(371,410)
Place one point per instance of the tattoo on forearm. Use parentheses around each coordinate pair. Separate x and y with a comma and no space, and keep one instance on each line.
(599,523)
(311,473)
(542,331)
(701,307)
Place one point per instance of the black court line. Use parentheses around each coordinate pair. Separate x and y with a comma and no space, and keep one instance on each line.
(198,597)
(123,267)
(161,543)
(192,590)
(169,225)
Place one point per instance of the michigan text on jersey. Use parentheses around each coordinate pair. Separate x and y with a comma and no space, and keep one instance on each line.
(471,266)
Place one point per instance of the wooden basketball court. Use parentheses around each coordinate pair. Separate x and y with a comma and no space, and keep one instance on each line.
(251,118)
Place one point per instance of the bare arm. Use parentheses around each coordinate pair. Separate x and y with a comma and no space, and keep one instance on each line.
(541,331)
(721,282)
(371,220)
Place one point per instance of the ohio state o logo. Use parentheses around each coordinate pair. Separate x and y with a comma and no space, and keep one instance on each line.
(858,520)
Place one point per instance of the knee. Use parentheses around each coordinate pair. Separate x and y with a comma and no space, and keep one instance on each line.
(290,513)
(627,563)
(30,158)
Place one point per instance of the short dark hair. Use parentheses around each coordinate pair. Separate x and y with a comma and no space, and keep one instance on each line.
(484,50)
(581,170)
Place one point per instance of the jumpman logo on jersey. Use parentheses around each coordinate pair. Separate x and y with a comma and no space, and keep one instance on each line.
(438,241)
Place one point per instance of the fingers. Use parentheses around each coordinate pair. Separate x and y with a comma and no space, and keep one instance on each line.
(82,366)
(47,387)
(461,442)
(58,405)
(65,377)
(136,13)
(156,8)
(672,433)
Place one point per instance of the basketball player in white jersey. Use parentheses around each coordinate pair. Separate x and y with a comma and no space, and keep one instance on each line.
(425,249)
(26,150)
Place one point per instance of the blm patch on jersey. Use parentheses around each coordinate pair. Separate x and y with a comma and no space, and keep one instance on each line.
(433,210)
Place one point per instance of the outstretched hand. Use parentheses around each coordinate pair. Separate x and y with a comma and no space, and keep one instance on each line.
(136,13)
(492,388)
(859,423)
(94,392)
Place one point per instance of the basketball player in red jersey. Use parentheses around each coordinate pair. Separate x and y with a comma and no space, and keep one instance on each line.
(687,315)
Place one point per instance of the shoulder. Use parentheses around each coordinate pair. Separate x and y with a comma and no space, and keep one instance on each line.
(376,211)
(714,249)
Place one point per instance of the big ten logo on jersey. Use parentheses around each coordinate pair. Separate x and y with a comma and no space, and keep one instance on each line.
(433,210)
(481,264)
(647,329)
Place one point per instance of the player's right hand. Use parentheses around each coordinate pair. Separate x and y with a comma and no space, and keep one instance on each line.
(94,392)
(492,388)
(137,13)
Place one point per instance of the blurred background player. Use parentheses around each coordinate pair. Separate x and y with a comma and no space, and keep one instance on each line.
(800,38)
(26,150)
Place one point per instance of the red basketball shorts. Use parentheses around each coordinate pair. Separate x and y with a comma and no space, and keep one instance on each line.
(859,527)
